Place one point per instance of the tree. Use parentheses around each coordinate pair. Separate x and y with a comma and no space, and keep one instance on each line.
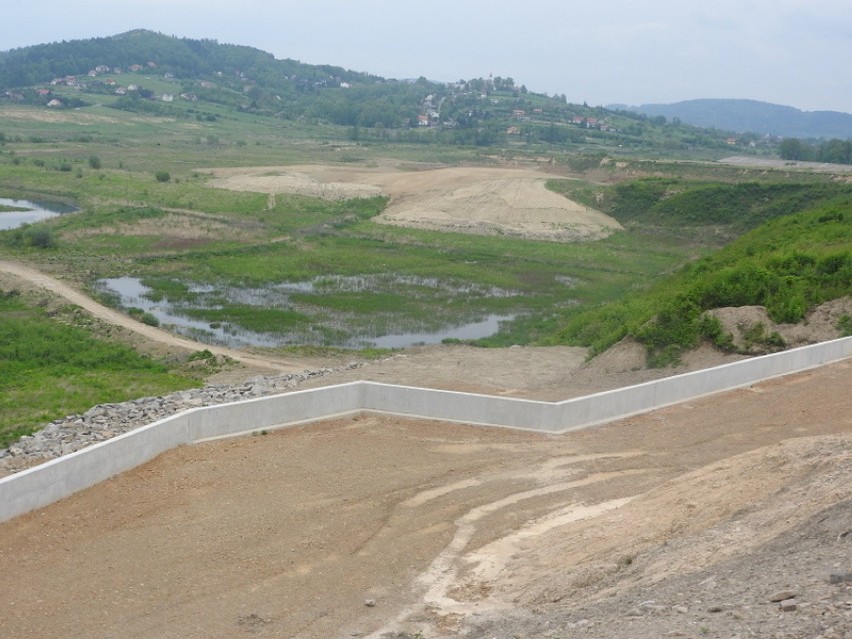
(836,151)
(794,149)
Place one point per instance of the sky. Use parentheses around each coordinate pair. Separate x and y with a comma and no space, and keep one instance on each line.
(792,52)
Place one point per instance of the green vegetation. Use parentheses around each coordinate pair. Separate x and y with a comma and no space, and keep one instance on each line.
(418,280)
(34,236)
(844,325)
(50,368)
(836,151)
(684,205)
(788,265)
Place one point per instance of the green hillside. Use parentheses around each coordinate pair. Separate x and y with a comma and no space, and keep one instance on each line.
(788,264)
(147,72)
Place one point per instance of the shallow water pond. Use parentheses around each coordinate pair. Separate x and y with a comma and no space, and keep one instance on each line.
(31,212)
(188,310)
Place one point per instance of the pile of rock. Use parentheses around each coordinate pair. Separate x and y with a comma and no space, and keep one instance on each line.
(104,421)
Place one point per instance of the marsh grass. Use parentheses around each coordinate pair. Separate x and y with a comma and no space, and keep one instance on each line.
(128,223)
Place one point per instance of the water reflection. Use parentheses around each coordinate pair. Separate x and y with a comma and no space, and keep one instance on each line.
(34,212)
(132,293)
(474,330)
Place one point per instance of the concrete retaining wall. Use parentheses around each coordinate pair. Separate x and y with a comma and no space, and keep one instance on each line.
(53,480)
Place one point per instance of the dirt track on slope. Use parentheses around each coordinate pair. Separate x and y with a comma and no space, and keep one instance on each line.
(44,282)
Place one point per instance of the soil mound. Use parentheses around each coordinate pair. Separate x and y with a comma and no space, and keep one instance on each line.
(498,201)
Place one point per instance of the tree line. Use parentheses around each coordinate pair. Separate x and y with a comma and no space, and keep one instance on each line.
(834,151)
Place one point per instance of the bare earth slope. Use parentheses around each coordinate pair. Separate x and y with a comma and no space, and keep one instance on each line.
(463,199)
(682,522)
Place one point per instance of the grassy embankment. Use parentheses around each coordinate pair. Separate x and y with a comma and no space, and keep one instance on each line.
(53,365)
(795,253)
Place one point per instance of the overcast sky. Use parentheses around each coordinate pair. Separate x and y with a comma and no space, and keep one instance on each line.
(791,52)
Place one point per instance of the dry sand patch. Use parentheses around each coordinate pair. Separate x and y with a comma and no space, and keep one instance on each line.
(498,201)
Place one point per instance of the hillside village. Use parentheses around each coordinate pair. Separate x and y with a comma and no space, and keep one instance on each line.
(468,101)
(186,76)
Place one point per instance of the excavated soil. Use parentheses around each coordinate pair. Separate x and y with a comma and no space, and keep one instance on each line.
(504,201)
(681,522)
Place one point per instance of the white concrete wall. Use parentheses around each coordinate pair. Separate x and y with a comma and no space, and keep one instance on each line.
(61,477)
(51,481)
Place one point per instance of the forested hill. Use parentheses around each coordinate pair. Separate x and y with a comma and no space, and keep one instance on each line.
(207,71)
(180,56)
(146,72)
(754,116)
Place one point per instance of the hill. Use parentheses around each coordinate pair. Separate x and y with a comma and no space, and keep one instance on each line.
(752,116)
(143,71)
(159,53)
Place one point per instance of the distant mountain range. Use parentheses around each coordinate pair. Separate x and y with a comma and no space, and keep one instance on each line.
(753,116)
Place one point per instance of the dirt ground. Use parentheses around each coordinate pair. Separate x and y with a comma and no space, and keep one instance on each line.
(378,526)
(506,201)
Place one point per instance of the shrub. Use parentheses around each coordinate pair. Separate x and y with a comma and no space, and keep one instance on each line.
(149,319)
(35,236)
(844,325)
(162,176)
(95,162)
(711,328)
(758,335)
(205,355)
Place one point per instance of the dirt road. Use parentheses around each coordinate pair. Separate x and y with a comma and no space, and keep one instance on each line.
(45,282)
